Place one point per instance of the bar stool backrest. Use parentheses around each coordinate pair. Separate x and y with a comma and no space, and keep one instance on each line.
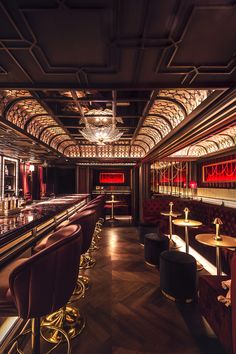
(45,281)
(87,220)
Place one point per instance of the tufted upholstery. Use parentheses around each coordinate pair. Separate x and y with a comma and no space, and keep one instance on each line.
(221,318)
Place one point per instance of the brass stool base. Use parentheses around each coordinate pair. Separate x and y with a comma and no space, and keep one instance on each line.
(187,301)
(85,280)
(68,319)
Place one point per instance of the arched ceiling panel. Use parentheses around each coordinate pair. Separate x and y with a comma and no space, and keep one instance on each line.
(152,132)
(149,140)
(190,99)
(22,111)
(37,124)
(169,109)
(158,123)
(224,140)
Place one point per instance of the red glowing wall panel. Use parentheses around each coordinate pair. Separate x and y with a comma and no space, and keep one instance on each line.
(111,177)
(219,172)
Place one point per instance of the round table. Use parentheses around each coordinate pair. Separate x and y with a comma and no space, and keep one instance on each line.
(112,202)
(186,225)
(171,215)
(209,240)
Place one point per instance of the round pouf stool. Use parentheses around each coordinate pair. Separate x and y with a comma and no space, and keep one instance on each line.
(154,244)
(146,229)
(178,272)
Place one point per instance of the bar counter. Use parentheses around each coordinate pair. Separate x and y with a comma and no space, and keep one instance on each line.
(20,231)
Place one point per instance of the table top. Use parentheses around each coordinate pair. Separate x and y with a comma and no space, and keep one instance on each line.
(208,239)
(190,223)
(167,213)
(113,201)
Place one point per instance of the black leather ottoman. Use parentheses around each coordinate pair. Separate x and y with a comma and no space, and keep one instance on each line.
(154,244)
(178,273)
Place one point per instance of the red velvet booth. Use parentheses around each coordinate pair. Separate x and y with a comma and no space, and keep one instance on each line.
(222,319)
(201,211)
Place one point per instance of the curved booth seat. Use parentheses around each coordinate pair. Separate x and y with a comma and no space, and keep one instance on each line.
(201,211)
(221,318)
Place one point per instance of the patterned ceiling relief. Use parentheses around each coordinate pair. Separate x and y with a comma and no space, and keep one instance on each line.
(21,109)
(224,140)
(168,110)
(105,151)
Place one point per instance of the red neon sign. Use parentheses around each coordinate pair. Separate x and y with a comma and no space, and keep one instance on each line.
(111,177)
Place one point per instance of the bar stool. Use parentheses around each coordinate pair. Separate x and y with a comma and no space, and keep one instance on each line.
(30,292)
(67,318)
(86,219)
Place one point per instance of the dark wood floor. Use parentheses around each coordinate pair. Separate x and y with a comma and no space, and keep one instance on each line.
(125,311)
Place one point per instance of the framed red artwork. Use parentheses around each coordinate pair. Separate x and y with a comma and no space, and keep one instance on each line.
(111,177)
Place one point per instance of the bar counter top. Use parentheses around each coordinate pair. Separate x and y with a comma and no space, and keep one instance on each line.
(32,218)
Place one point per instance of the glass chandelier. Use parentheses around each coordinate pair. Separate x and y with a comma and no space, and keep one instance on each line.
(101,134)
(100,126)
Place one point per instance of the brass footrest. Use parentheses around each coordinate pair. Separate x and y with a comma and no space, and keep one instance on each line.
(67,319)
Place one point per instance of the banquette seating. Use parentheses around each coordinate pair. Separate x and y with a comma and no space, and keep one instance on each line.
(201,211)
(221,318)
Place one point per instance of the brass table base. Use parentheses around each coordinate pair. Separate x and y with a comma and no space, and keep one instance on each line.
(85,280)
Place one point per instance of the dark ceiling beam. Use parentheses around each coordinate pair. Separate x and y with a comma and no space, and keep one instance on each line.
(77,116)
(95,100)
(145,112)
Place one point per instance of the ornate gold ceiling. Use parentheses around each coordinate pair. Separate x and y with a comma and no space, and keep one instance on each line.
(215,143)
(168,109)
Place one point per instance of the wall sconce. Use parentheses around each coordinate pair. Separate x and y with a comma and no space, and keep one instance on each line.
(31,168)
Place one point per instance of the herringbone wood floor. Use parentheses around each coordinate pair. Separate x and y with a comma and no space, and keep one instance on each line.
(125,311)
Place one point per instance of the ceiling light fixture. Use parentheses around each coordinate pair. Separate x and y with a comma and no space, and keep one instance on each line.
(101,135)
(100,126)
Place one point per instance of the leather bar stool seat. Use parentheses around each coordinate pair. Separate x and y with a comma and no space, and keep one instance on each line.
(27,289)
(178,274)
(154,245)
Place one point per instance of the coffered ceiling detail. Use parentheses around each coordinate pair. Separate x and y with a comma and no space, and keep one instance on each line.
(99,44)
